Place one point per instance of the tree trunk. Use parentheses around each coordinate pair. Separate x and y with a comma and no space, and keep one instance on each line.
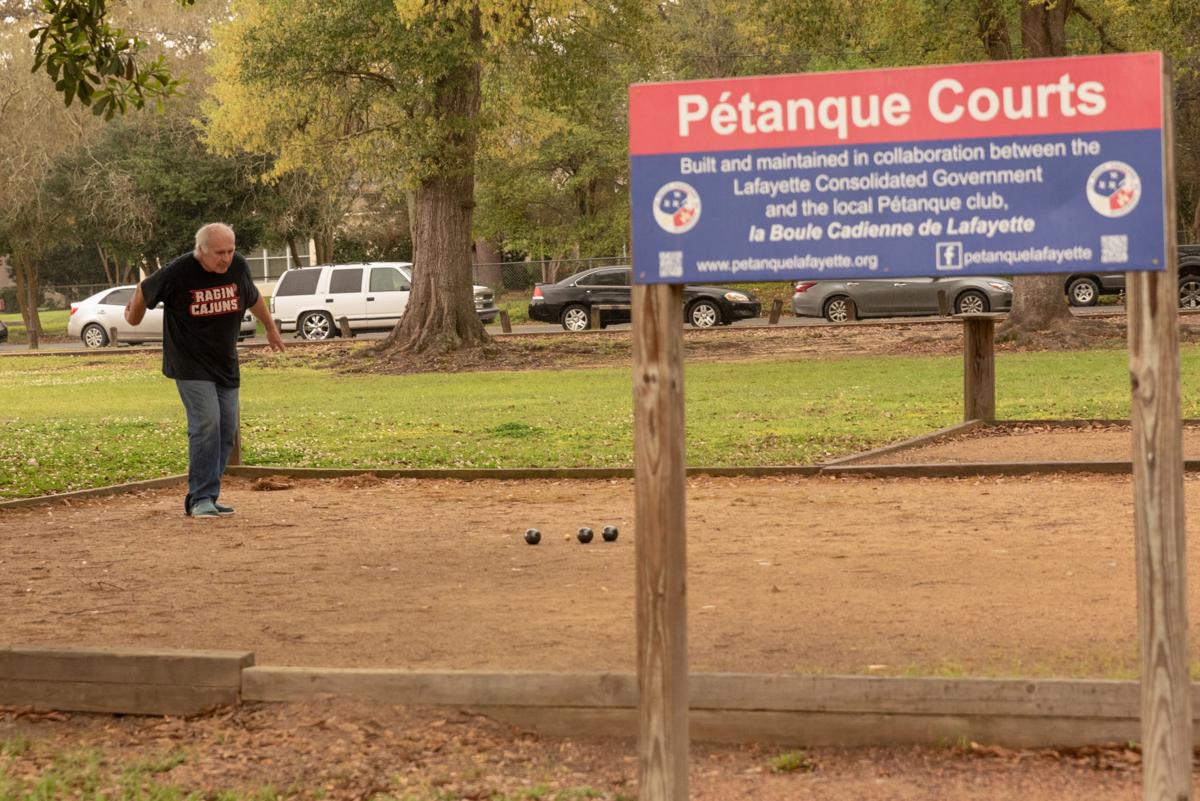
(28,290)
(293,254)
(993,31)
(440,316)
(108,273)
(324,243)
(487,263)
(1039,301)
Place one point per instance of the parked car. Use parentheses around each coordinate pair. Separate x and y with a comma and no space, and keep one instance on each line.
(1086,288)
(370,295)
(899,297)
(92,317)
(570,301)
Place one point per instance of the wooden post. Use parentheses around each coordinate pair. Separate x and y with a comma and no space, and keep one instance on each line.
(593,317)
(943,303)
(1158,509)
(505,325)
(31,330)
(776,308)
(113,339)
(660,542)
(979,368)
(344,327)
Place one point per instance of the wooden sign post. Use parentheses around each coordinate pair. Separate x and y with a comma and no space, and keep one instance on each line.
(1153,321)
(659,502)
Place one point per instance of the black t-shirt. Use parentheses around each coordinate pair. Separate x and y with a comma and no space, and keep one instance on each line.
(202,316)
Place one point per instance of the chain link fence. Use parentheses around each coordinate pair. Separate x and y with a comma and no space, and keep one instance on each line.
(507,276)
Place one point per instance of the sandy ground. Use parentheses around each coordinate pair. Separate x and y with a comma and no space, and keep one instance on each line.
(998,576)
(1099,442)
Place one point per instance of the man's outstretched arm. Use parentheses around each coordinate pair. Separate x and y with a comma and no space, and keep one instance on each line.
(135,309)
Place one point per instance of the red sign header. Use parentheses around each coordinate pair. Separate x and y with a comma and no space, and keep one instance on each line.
(994,98)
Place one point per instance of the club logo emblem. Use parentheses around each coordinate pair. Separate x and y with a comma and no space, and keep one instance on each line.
(677,207)
(1114,189)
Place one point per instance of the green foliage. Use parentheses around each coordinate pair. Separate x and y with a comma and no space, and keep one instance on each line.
(553,165)
(101,65)
(792,762)
(14,746)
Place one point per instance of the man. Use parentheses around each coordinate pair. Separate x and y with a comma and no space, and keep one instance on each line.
(204,295)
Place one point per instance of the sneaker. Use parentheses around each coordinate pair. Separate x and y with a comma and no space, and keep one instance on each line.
(204,508)
(223,509)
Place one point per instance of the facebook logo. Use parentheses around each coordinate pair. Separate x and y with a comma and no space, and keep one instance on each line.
(949,256)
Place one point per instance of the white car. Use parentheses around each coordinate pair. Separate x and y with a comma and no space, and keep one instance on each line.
(91,319)
(370,295)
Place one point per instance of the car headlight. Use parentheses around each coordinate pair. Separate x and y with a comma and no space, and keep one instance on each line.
(737,297)
(1000,285)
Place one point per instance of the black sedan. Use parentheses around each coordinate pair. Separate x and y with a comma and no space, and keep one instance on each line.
(573,300)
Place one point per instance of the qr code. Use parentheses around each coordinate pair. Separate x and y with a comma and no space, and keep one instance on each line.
(1114,249)
(670,264)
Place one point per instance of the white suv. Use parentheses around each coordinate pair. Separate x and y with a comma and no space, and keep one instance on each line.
(371,295)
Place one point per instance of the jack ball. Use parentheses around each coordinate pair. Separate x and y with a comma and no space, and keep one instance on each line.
(610,533)
(585,535)
(533,536)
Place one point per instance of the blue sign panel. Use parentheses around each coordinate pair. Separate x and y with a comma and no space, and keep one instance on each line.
(1048,166)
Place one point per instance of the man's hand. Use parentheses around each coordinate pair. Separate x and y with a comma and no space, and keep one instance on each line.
(273,338)
(263,314)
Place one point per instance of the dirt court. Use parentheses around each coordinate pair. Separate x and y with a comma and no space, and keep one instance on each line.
(998,576)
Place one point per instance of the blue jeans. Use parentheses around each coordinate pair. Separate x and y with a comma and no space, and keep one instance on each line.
(212,418)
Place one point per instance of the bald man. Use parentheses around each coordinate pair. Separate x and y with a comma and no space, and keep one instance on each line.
(204,295)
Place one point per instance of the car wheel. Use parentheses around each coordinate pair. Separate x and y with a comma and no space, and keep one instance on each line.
(837,309)
(94,336)
(316,326)
(971,302)
(575,318)
(1083,292)
(1189,292)
(704,314)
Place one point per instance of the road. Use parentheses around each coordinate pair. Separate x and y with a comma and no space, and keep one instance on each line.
(548,328)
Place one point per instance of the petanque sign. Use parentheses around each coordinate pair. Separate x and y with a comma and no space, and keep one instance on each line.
(1038,166)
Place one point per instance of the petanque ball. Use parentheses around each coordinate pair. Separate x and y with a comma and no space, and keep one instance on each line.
(533,536)
(585,535)
(610,533)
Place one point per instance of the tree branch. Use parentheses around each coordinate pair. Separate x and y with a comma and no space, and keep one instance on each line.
(1106,44)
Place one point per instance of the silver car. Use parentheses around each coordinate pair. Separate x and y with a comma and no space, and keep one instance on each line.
(899,297)
(91,319)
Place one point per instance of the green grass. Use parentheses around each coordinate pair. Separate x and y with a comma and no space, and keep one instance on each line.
(54,324)
(792,762)
(72,422)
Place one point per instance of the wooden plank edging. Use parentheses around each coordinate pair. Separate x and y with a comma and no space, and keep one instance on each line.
(1066,698)
(114,489)
(965,469)
(911,442)
(826,710)
(121,680)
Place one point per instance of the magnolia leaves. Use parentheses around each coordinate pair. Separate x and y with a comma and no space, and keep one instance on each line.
(96,63)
